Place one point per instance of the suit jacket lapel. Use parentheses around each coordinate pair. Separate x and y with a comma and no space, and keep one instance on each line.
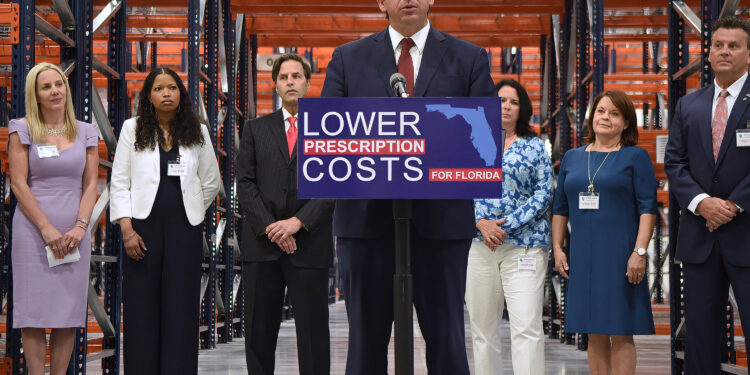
(431,59)
(278,134)
(733,122)
(704,126)
(384,59)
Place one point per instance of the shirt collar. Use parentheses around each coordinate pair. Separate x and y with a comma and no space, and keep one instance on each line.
(419,38)
(285,113)
(733,89)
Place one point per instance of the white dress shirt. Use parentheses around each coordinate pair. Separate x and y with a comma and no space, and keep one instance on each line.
(416,51)
(287,115)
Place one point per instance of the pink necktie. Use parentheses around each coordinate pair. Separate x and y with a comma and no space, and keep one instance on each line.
(719,123)
(291,134)
(405,64)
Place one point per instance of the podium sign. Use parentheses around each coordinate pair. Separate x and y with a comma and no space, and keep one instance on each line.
(400,148)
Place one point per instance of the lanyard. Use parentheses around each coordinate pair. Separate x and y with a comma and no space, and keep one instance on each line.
(588,169)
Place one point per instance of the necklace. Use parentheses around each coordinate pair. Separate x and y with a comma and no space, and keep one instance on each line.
(56,132)
(591,180)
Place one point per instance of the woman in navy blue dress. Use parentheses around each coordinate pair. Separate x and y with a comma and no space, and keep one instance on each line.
(607,190)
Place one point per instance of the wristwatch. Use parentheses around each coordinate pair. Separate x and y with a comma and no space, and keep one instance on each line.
(640,251)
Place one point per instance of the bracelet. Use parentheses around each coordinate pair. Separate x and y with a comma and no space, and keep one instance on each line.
(84,221)
(81,226)
(129,237)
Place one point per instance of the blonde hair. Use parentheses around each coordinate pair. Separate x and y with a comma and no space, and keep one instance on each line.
(33,118)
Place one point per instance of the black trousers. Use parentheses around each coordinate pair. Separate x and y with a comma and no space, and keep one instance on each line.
(161,296)
(439,277)
(264,284)
(706,295)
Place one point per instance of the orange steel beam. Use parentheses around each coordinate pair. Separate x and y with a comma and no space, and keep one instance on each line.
(9,16)
(313,23)
(487,40)
(542,7)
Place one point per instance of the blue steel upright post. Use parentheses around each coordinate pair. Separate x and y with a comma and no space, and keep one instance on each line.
(81,85)
(582,68)
(118,110)
(565,138)
(254,75)
(22,61)
(226,281)
(678,55)
(582,92)
(211,89)
(243,102)
(597,47)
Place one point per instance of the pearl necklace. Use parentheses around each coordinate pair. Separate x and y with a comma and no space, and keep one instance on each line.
(57,132)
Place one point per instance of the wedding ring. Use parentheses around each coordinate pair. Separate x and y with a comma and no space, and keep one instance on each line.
(493,238)
(53,248)
(70,245)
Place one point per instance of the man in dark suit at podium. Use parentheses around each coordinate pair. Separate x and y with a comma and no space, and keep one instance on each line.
(286,242)
(708,163)
(438,65)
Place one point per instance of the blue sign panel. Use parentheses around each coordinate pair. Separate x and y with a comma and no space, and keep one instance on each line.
(416,148)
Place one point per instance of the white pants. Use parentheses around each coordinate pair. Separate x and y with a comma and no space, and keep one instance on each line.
(492,277)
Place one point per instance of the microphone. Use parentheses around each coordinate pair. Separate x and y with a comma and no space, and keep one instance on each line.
(398,83)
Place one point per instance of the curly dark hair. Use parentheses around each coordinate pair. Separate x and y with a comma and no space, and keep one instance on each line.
(523,129)
(185,128)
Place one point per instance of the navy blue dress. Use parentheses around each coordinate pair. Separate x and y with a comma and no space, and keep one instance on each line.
(600,299)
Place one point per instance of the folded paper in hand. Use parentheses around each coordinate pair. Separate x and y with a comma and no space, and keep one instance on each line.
(53,261)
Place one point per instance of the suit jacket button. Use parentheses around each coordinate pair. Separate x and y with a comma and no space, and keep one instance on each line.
(716,179)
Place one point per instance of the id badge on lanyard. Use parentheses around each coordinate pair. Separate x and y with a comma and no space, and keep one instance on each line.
(588,201)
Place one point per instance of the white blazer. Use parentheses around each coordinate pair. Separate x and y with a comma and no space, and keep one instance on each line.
(135,178)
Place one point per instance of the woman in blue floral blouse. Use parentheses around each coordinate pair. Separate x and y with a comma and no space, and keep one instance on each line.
(508,258)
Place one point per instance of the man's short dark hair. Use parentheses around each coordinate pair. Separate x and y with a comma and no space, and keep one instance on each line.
(733,22)
(287,57)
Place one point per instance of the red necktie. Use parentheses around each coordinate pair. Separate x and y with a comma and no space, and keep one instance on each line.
(405,64)
(719,124)
(291,134)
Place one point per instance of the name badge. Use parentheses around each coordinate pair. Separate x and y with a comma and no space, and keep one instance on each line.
(47,151)
(743,138)
(176,168)
(588,201)
(526,264)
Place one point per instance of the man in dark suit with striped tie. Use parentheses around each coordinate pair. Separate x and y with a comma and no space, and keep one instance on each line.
(286,242)
(707,161)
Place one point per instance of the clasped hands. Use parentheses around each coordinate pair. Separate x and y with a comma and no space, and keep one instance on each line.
(717,212)
(492,233)
(281,233)
(62,245)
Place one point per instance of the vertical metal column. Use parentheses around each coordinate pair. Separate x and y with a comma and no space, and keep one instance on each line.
(582,69)
(226,282)
(22,61)
(243,102)
(211,88)
(254,73)
(193,57)
(678,55)
(81,85)
(118,110)
(154,56)
(597,51)
(709,12)
(565,136)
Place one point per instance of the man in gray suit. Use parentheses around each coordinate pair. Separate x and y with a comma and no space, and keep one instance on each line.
(286,242)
